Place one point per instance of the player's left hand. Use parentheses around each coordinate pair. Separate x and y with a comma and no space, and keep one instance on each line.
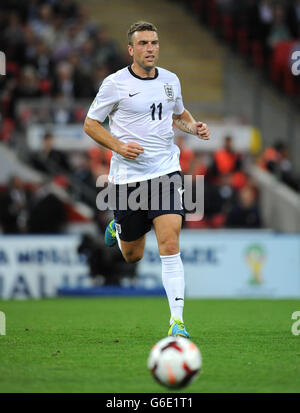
(202,130)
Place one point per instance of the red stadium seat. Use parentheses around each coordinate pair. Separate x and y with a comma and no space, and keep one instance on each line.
(198,7)
(227,27)
(45,86)
(257,54)
(280,60)
(213,17)
(242,41)
(8,127)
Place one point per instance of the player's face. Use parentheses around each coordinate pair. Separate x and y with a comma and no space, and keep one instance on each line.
(144,49)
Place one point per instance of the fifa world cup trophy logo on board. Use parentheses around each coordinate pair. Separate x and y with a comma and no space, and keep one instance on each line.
(255,258)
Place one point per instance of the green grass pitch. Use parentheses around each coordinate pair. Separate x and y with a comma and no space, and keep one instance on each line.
(101,345)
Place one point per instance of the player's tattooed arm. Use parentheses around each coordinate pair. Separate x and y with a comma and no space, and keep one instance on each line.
(184,126)
(96,131)
(187,123)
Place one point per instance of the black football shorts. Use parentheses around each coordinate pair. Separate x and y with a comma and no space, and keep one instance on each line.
(139,203)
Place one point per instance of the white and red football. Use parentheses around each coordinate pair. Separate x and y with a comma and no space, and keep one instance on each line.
(175,362)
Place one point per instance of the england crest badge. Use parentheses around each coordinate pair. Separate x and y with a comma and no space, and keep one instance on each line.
(169,92)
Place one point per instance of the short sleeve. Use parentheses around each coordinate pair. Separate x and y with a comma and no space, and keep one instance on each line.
(178,108)
(105,101)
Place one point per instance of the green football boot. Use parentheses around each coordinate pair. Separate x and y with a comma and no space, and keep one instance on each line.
(110,237)
(177,329)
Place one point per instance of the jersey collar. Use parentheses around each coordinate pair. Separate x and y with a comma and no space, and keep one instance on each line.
(143,78)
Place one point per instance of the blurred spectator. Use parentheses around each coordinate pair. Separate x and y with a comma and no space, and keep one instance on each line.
(283,167)
(276,159)
(226,160)
(279,30)
(59,34)
(48,159)
(86,57)
(61,113)
(13,37)
(245,212)
(81,172)
(105,263)
(83,80)
(29,46)
(29,85)
(81,167)
(265,16)
(47,214)
(99,160)
(227,193)
(41,24)
(14,207)
(218,200)
(293,18)
(259,19)
(186,154)
(106,51)
(64,82)
(68,9)
(41,60)
(100,73)
(225,6)
(199,164)
(269,159)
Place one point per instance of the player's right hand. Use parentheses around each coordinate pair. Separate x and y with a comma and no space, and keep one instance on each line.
(131,150)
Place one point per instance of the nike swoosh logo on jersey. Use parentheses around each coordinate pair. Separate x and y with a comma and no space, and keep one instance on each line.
(177,299)
(130,95)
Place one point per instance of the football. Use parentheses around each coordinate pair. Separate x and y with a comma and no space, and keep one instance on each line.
(175,362)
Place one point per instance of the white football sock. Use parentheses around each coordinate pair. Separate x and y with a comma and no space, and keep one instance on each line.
(173,282)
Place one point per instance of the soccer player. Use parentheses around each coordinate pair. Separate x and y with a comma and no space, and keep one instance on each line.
(142,102)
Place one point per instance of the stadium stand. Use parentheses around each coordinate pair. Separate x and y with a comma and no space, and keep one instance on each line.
(56,58)
(265,32)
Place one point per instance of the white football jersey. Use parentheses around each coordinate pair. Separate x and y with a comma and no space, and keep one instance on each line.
(140,110)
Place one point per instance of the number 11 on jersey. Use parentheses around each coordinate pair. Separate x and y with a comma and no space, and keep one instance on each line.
(153,108)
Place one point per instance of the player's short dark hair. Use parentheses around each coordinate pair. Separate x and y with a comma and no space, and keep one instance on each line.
(140,26)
